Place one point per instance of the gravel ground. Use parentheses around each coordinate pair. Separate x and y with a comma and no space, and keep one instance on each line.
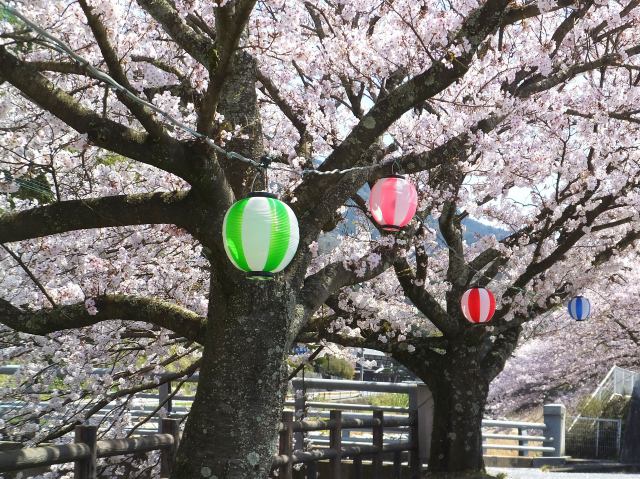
(538,474)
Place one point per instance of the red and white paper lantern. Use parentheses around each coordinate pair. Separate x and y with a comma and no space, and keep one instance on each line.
(393,202)
(478,305)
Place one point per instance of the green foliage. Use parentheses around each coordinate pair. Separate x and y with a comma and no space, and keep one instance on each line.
(110,159)
(335,367)
(390,399)
(615,408)
(6,16)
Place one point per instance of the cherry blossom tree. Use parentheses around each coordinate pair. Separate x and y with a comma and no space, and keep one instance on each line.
(569,202)
(575,356)
(111,216)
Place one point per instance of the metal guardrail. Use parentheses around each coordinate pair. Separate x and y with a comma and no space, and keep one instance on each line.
(617,381)
(523,442)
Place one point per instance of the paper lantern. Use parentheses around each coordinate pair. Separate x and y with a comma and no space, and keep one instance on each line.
(300,349)
(260,235)
(393,202)
(478,305)
(579,308)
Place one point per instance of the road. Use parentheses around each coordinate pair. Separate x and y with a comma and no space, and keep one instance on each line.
(538,474)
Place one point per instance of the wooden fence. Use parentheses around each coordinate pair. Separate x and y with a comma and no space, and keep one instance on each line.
(336,451)
(86,449)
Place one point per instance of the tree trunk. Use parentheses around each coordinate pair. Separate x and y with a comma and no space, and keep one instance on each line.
(460,395)
(231,431)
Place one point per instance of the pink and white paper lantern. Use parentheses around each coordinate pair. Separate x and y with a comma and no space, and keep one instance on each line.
(393,202)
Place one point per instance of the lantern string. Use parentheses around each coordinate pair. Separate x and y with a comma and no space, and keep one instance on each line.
(60,46)
(265,161)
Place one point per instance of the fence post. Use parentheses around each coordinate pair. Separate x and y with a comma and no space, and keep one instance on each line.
(415,465)
(168,455)
(424,407)
(522,442)
(597,438)
(357,467)
(397,465)
(286,437)
(164,390)
(299,407)
(618,438)
(312,470)
(86,468)
(335,443)
(378,436)
(554,420)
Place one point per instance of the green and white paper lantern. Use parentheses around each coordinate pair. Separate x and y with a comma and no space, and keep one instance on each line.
(260,234)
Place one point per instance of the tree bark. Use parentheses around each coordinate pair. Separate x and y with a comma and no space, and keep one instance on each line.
(231,431)
(460,395)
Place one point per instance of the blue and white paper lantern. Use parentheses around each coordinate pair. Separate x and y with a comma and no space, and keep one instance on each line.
(579,308)
(300,349)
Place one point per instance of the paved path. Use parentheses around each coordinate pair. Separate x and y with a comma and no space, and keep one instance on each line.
(538,474)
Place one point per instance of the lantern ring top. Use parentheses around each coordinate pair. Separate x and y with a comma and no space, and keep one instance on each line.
(394,175)
(261,194)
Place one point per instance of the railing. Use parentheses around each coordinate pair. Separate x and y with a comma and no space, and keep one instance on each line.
(547,438)
(617,381)
(337,450)
(549,441)
(523,437)
(594,438)
(419,400)
(86,449)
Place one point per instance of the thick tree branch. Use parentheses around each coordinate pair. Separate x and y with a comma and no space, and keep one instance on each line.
(231,21)
(451,229)
(287,109)
(563,73)
(529,10)
(199,46)
(421,298)
(108,211)
(321,285)
(111,307)
(168,154)
(480,23)
(141,112)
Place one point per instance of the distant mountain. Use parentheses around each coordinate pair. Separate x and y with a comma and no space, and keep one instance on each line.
(474,230)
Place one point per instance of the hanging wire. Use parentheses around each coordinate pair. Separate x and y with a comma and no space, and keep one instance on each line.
(263,164)
(58,45)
